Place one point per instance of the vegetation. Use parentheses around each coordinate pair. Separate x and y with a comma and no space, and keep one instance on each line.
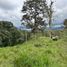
(9,35)
(40,52)
(33,50)
(65,23)
(37,10)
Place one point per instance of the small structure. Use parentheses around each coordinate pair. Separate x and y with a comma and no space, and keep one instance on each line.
(55,38)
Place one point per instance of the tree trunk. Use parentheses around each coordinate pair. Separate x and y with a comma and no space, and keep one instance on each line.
(50,32)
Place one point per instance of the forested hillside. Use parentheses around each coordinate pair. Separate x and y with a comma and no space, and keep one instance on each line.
(9,34)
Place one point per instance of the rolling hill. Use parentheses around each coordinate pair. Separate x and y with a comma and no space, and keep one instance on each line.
(38,52)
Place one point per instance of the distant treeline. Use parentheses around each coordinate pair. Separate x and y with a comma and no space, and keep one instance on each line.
(10,35)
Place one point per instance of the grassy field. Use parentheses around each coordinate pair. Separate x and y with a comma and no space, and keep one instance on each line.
(39,52)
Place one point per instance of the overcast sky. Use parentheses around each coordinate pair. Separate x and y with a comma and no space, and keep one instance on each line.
(10,10)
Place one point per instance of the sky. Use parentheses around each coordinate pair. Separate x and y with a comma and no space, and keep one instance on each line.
(10,10)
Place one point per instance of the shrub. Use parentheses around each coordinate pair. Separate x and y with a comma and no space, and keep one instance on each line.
(9,34)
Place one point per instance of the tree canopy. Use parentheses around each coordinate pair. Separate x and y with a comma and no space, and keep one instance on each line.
(65,23)
(35,13)
(9,35)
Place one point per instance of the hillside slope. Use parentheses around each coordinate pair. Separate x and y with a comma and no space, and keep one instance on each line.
(40,52)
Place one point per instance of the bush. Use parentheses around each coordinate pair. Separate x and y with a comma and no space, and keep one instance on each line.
(9,34)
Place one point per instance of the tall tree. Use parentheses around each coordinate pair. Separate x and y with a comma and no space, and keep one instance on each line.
(34,13)
(65,23)
(49,10)
(9,34)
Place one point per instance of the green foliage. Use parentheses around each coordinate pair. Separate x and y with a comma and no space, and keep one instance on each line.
(9,35)
(65,23)
(33,9)
(40,52)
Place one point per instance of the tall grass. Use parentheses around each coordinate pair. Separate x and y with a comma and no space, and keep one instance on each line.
(39,52)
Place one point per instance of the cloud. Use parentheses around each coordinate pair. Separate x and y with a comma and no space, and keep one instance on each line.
(10,10)
(8,4)
(61,3)
(60,8)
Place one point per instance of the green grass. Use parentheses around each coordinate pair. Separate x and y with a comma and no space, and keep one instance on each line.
(39,52)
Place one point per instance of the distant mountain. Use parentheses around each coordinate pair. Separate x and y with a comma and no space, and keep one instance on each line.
(55,27)
(23,28)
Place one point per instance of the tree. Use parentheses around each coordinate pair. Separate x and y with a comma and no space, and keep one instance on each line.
(65,23)
(34,10)
(9,35)
(49,10)
(49,13)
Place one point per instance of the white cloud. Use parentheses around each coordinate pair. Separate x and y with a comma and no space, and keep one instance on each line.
(60,10)
(11,10)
